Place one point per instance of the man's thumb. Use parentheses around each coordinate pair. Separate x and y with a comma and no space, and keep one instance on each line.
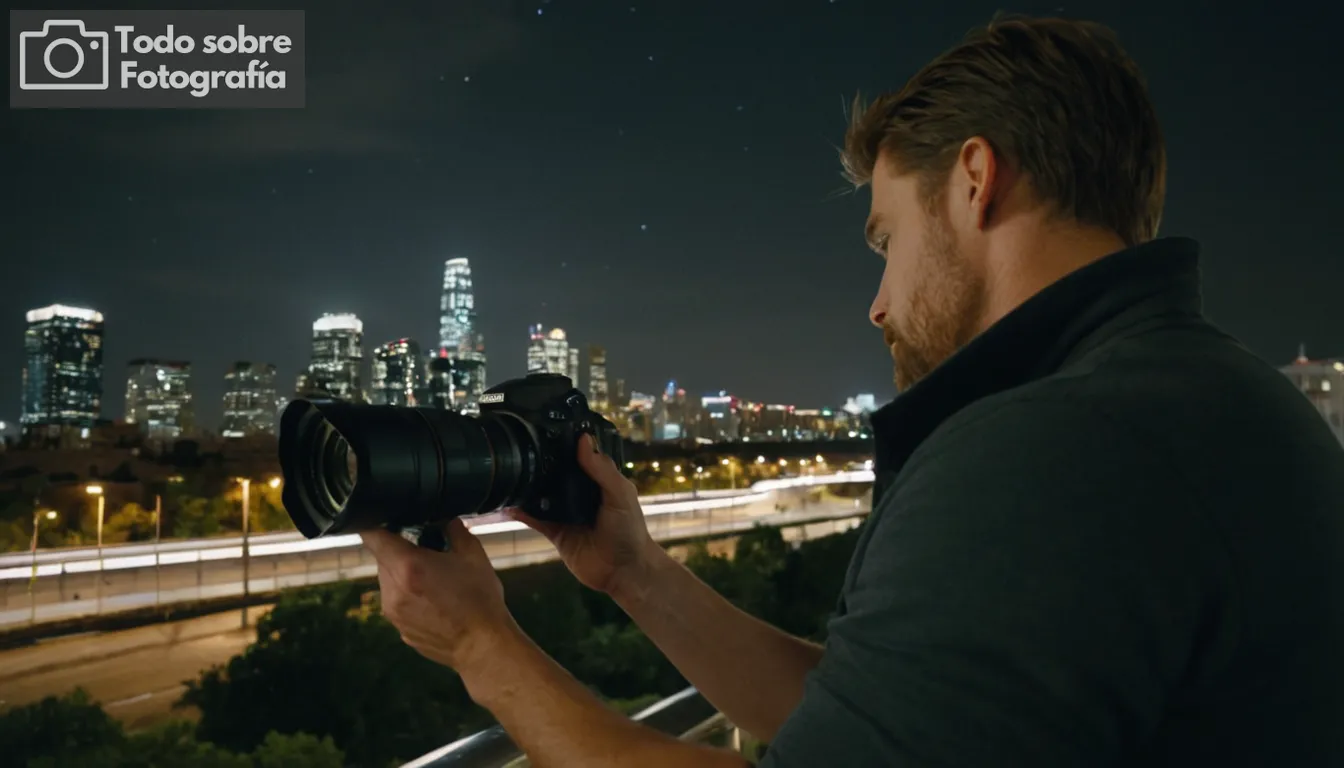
(598,465)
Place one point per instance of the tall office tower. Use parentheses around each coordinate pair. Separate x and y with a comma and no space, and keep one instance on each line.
(62,367)
(457,308)
(468,384)
(550,353)
(619,399)
(721,418)
(439,380)
(1322,381)
(536,349)
(599,398)
(158,398)
(671,414)
(338,356)
(250,402)
(398,374)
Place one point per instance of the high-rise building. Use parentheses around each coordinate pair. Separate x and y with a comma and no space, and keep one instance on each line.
(536,349)
(721,418)
(439,380)
(250,402)
(398,374)
(599,398)
(672,417)
(338,357)
(457,307)
(468,383)
(619,399)
(63,367)
(158,398)
(1322,381)
(549,352)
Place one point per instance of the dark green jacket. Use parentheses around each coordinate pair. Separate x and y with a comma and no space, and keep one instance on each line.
(1105,534)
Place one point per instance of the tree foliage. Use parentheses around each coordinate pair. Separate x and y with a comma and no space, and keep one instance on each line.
(72,731)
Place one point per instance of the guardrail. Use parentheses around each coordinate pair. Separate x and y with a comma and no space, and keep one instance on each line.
(686,715)
(47,563)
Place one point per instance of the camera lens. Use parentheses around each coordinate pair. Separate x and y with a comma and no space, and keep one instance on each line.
(351,467)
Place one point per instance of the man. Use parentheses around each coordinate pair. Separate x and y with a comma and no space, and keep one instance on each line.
(1104,534)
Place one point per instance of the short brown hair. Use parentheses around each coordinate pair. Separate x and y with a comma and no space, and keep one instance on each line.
(1058,99)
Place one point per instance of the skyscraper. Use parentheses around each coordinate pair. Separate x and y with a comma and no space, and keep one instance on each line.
(398,374)
(457,308)
(599,398)
(439,380)
(536,349)
(63,367)
(338,356)
(549,352)
(158,398)
(249,400)
(458,335)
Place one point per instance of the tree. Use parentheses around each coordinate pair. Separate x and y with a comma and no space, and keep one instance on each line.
(197,517)
(60,728)
(323,664)
(621,662)
(131,522)
(300,749)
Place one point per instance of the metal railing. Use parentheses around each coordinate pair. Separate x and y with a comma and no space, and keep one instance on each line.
(686,715)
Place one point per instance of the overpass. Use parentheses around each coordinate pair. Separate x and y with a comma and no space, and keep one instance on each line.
(77,583)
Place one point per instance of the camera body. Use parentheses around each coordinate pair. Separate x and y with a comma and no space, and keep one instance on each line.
(557,415)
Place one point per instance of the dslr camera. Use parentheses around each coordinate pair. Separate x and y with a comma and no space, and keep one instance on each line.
(352,467)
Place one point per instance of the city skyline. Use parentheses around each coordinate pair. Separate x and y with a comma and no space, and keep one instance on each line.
(680,204)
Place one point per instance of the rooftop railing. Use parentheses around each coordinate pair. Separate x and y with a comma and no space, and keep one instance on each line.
(686,715)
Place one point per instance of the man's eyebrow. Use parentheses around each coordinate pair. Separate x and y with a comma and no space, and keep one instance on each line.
(870,230)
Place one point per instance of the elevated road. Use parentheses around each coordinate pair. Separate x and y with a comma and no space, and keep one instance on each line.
(138,674)
(57,585)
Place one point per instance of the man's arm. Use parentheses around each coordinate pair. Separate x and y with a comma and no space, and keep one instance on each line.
(1034,588)
(749,670)
(558,722)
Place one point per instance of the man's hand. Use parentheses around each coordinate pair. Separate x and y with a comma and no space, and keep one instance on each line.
(602,557)
(449,606)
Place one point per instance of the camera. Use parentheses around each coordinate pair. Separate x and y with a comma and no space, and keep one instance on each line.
(353,467)
(64,56)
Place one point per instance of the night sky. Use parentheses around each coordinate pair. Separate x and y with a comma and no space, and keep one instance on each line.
(656,177)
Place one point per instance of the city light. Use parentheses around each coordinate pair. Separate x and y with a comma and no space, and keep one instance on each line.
(274,482)
(699,470)
(629,465)
(783,462)
(820,460)
(724,462)
(51,514)
(760,459)
(680,479)
(677,468)
(655,465)
(94,490)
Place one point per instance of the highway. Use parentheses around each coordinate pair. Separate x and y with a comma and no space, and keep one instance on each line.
(70,583)
(137,674)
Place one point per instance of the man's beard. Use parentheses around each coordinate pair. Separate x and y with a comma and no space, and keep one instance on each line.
(946,304)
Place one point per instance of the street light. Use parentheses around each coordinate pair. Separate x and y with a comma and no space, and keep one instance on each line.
(32,583)
(732,473)
(274,482)
(247,487)
(93,489)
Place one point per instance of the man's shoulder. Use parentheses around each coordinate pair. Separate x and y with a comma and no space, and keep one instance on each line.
(1140,394)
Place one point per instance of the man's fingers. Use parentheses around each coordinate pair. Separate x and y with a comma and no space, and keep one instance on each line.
(460,540)
(540,526)
(384,543)
(599,466)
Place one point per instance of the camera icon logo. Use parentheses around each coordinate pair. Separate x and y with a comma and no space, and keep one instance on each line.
(44,58)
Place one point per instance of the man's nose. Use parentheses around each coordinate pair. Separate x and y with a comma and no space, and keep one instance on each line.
(876,314)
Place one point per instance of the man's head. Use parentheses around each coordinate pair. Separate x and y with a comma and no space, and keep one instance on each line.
(1029,136)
